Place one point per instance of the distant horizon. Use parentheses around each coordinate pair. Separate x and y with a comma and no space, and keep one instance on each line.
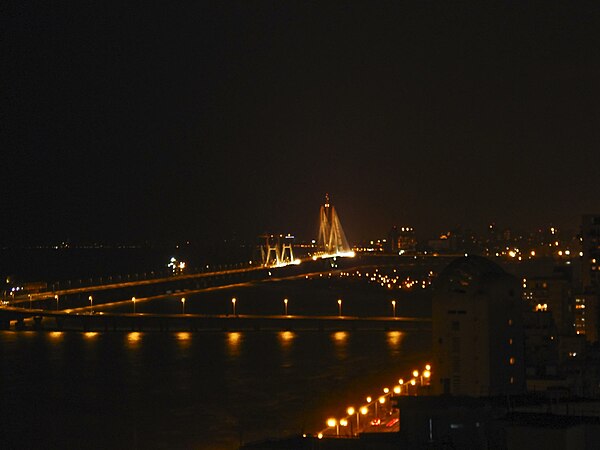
(248,240)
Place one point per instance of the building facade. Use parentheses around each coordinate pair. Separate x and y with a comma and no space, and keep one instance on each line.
(477,330)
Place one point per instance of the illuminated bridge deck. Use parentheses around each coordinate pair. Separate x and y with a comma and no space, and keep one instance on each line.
(60,320)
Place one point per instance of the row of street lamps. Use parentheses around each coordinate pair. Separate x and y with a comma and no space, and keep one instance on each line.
(420,377)
(233,303)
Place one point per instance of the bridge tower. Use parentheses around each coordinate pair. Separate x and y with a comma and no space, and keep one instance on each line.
(287,257)
(332,240)
(270,251)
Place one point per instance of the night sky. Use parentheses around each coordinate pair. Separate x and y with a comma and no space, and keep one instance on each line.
(207,120)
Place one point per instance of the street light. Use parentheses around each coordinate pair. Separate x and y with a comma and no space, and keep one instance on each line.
(427,375)
(182,305)
(364,410)
(344,423)
(285,302)
(394,307)
(333,423)
(56,298)
(90,298)
(133,300)
(29,301)
(340,306)
(350,412)
(233,300)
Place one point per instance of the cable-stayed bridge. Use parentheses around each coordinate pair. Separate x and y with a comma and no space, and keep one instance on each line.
(277,250)
(64,306)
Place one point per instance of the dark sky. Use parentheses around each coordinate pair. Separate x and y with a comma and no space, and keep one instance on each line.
(199,120)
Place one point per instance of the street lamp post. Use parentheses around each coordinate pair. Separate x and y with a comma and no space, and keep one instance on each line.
(182,305)
(394,308)
(340,307)
(56,298)
(91,299)
(364,410)
(29,301)
(419,376)
(344,423)
(233,301)
(133,300)
(381,401)
(285,303)
(333,423)
(350,412)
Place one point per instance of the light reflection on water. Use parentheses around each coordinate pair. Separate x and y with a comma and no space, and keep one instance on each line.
(234,339)
(133,339)
(183,336)
(56,334)
(394,339)
(286,338)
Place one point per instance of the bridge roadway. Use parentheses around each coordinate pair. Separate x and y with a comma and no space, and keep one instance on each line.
(89,318)
(126,284)
(38,319)
(362,261)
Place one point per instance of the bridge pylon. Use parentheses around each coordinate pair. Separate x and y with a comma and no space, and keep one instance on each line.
(287,250)
(332,239)
(270,251)
(277,250)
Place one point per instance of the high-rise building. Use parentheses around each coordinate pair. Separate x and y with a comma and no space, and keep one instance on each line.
(590,234)
(477,330)
(554,294)
(587,316)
